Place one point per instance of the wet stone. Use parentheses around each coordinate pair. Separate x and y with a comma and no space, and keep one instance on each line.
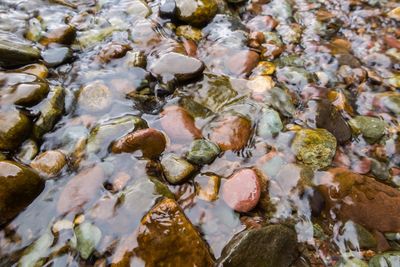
(371,128)
(168,9)
(88,237)
(361,199)
(176,66)
(230,132)
(176,169)
(14,53)
(150,141)
(15,127)
(269,124)
(196,12)
(274,245)
(202,152)
(64,34)
(95,97)
(165,227)
(314,147)
(179,125)
(385,259)
(242,190)
(49,163)
(27,152)
(19,186)
(54,57)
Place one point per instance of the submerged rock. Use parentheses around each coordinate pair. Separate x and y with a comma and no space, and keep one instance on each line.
(19,186)
(150,141)
(176,169)
(49,163)
(15,127)
(361,199)
(87,238)
(242,190)
(274,245)
(230,132)
(14,53)
(95,97)
(371,128)
(196,12)
(54,57)
(179,124)
(176,66)
(166,236)
(389,259)
(314,147)
(202,152)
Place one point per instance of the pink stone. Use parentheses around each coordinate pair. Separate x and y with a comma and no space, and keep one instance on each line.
(242,190)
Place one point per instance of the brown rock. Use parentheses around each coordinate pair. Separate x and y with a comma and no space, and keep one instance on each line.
(81,189)
(179,125)
(165,236)
(113,50)
(361,199)
(63,35)
(242,190)
(262,24)
(231,132)
(49,163)
(243,62)
(150,141)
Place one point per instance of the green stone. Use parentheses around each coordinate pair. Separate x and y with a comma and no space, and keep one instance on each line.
(202,151)
(314,147)
(36,253)
(281,101)
(88,237)
(389,259)
(14,54)
(176,169)
(371,128)
(270,123)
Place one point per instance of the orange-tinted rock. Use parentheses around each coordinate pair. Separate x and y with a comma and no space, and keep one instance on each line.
(81,189)
(243,62)
(242,190)
(179,124)
(231,132)
(361,199)
(113,50)
(49,163)
(63,35)
(165,237)
(150,141)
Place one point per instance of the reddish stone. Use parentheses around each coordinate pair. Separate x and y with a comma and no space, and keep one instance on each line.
(362,199)
(242,190)
(190,47)
(262,24)
(231,132)
(243,62)
(150,141)
(179,125)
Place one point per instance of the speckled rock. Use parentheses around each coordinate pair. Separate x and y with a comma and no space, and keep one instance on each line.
(95,97)
(314,147)
(19,186)
(242,190)
(371,128)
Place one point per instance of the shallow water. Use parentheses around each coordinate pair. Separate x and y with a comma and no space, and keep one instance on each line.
(265,72)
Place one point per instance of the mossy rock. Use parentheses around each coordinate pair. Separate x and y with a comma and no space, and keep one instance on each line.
(15,127)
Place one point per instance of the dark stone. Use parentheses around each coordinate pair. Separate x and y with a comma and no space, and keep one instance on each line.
(168,9)
(274,245)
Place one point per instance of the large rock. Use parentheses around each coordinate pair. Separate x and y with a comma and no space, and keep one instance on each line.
(361,199)
(314,147)
(13,53)
(81,189)
(371,128)
(15,127)
(165,237)
(271,246)
(19,186)
(196,12)
(176,169)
